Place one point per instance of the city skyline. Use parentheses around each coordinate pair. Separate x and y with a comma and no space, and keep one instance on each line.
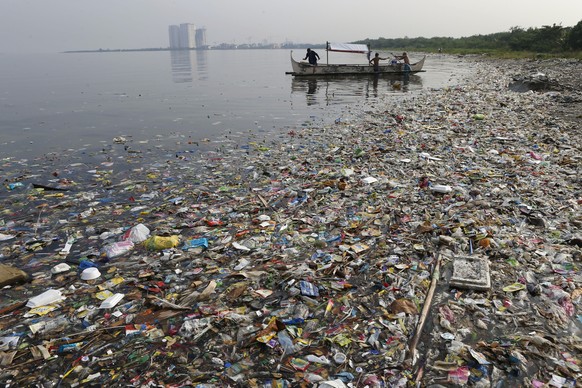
(48,26)
(186,36)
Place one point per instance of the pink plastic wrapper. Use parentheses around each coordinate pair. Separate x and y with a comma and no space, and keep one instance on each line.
(117,248)
(459,375)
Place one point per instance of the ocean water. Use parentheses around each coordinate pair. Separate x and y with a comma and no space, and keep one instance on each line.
(66,102)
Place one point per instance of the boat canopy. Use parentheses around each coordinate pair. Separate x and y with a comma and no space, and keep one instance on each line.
(347,47)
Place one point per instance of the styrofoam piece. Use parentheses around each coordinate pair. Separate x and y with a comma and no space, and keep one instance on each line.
(471,272)
(48,297)
(369,180)
(61,267)
(111,301)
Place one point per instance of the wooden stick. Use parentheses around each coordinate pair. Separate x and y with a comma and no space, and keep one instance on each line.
(412,356)
(265,204)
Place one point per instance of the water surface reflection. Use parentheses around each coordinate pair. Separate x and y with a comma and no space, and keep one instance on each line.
(331,90)
(202,64)
(181,63)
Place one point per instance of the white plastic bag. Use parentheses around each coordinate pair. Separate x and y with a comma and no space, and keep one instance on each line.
(137,233)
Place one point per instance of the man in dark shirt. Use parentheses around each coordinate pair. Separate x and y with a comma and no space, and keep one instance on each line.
(312,55)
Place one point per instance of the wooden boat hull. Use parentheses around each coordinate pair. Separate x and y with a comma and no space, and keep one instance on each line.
(305,69)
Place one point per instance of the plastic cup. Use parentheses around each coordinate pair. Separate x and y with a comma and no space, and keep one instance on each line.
(339,358)
(90,273)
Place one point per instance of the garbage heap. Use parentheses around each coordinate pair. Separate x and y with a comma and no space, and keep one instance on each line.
(425,240)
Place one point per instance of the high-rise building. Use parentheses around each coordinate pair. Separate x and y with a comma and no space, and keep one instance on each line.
(187,35)
(174,33)
(201,37)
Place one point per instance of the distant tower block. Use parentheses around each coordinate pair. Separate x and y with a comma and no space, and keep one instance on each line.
(201,37)
(187,36)
(174,35)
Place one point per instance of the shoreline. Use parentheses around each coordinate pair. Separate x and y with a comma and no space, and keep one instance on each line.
(348,213)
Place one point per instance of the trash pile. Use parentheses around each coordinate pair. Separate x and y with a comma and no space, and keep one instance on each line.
(426,241)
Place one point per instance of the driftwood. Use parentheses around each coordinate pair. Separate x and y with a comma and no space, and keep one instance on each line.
(412,354)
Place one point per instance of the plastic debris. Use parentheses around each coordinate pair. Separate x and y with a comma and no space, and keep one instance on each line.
(422,241)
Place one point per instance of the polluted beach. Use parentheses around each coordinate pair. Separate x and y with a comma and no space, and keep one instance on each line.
(430,240)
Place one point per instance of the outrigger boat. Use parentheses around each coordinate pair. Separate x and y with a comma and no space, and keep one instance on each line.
(304,68)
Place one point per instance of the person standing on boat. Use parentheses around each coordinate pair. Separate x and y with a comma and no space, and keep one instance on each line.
(312,56)
(404,57)
(376,62)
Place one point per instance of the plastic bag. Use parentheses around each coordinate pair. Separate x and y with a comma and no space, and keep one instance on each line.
(137,233)
(286,342)
(117,248)
(158,243)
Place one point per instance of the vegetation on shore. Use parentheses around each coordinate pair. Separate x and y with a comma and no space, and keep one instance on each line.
(544,42)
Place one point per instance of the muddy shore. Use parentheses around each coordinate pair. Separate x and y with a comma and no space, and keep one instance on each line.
(265,264)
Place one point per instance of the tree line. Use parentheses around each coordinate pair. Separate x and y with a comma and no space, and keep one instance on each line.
(545,39)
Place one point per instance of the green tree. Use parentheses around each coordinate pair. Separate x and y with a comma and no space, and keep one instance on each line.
(574,38)
(548,38)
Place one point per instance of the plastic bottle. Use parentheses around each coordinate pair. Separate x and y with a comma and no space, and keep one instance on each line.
(318,359)
(55,325)
(441,189)
(286,342)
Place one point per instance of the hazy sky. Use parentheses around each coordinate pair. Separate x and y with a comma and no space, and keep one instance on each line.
(60,25)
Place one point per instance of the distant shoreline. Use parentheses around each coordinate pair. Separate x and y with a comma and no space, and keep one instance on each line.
(206,48)
(127,50)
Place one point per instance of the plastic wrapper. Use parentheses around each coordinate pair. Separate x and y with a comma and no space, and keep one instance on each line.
(117,248)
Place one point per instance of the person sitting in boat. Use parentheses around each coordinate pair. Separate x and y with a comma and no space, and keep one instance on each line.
(313,57)
(376,62)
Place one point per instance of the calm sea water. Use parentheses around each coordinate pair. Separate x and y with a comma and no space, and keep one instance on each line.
(50,103)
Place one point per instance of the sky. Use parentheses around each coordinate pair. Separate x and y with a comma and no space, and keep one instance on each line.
(63,25)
